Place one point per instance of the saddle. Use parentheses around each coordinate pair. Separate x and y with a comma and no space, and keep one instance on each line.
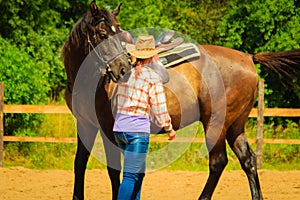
(165,43)
(172,52)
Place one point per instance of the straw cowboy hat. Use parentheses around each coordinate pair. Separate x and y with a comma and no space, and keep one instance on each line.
(143,48)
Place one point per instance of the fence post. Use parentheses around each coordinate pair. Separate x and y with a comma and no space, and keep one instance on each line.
(260,123)
(1,122)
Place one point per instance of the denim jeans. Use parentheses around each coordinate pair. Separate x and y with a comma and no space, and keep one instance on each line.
(134,147)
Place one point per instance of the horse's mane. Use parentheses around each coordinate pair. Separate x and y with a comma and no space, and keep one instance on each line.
(75,38)
(78,36)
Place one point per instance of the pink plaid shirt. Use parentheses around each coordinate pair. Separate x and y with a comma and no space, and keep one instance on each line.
(144,96)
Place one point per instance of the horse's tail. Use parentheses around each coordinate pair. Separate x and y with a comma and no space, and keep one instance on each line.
(286,63)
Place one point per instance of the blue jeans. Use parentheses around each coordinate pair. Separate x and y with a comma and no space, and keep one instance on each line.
(134,147)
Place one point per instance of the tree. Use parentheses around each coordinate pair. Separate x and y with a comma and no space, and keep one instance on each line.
(23,84)
(269,26)
(37,27)
(31,35)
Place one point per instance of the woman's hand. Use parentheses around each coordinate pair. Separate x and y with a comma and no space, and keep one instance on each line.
(172,134)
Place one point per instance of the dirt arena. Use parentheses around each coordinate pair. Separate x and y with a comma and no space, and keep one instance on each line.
(20,183)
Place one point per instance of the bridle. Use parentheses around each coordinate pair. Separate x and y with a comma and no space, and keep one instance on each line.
(95,23)
(109,73)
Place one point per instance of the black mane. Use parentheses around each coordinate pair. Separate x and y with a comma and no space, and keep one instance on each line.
(79,34)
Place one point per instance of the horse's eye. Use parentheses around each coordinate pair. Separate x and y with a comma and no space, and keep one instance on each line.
(103,36)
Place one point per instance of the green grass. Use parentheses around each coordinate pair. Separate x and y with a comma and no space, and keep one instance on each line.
(191,156)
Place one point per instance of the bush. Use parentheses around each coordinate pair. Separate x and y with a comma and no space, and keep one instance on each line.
(23,84)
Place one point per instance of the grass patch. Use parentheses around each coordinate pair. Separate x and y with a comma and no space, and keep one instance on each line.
(192,156)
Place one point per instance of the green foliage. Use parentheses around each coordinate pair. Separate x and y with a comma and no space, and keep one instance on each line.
(21,87)
(264,26)
(198,20)
(257,26)
(36,28)
(23,82)
(31,36)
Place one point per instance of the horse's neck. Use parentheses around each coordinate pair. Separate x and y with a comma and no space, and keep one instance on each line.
(75,59)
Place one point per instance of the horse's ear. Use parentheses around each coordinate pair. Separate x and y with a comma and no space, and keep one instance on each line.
(117,9)
(94,8)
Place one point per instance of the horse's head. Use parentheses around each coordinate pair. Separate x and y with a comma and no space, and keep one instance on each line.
(114,57)
(110,39)
(103,23)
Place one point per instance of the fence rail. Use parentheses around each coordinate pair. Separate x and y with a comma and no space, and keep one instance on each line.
(153,139)
(52,109)
(42,109)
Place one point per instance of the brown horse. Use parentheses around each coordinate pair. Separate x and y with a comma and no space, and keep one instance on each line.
(222,86)
(219,89)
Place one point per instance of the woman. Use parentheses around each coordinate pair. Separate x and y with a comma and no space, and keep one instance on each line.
(139,100)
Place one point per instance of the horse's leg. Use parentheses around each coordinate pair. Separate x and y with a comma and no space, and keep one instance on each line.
(106,121)
(85,140)
(114,175)
(113,160)
(247,158)
(217,162)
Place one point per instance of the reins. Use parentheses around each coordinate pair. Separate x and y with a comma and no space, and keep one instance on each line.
(92,46)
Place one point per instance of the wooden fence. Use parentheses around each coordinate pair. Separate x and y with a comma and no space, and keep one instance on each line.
(259,113)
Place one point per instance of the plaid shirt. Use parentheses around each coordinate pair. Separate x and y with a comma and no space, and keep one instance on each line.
(143,95)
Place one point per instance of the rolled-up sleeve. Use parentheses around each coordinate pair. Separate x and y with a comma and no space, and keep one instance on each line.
(158,104)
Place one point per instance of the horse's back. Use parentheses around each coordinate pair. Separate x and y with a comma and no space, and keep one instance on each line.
(235,67)
(226,57)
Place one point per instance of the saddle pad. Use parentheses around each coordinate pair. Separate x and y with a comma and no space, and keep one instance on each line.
(181,53)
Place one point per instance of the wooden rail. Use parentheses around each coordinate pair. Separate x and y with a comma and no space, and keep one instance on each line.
(153,139)
(42,109)
(52,109)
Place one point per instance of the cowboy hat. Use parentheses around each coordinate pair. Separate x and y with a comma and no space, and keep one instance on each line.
(143,48)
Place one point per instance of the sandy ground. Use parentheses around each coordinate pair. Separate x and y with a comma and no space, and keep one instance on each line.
(20,183)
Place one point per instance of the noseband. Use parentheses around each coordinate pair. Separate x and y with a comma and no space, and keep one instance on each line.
(109,71)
